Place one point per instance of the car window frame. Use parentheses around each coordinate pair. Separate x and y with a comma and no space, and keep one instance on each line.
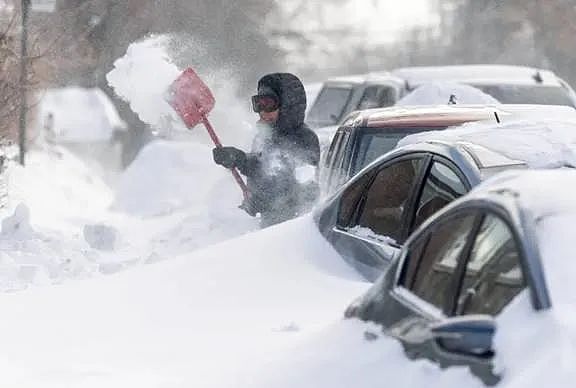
(426,160)
(405,294)
(335,172)
(334,149)
(453,167)
(521,248)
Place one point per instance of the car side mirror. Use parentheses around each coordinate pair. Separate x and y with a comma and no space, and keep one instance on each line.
(465,336)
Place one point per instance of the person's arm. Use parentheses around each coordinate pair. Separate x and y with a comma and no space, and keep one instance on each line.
(249,165)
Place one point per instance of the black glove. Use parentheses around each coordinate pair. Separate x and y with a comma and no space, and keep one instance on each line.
(229,157)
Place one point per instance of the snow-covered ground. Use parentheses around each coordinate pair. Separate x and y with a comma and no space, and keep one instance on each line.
(128,286)
(162,282)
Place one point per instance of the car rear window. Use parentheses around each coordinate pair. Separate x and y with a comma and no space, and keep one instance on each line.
(528,94)
(374,142)
(329,106)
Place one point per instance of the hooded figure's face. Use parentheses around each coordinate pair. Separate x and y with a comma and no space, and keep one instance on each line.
(292,98)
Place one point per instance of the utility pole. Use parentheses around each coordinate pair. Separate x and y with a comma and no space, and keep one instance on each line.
(23,81)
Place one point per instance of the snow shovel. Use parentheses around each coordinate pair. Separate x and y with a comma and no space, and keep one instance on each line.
(193,100)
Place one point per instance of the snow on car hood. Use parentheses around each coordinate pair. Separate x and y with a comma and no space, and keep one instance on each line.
(539,143)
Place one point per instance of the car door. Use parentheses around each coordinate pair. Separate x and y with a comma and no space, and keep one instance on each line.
(372,213)
(467,264)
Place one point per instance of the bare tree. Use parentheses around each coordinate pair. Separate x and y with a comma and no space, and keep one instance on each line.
(37,69)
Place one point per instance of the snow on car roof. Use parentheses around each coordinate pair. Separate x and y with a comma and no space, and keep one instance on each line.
(539,144)
(542,191)
(441,92)
(451,115)
(361,78)
(432,115)
(479,74)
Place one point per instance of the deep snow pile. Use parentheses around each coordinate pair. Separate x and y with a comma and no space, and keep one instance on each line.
(197,320)
(434,93)
(185,199)
(49,203)
(63,222)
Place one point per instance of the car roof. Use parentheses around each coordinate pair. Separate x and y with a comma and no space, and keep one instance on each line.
(358,79)
(478,74)
(486,160)
(544,143)
(451,115)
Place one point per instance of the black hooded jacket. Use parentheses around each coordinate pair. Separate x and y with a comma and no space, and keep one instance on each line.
(280,154)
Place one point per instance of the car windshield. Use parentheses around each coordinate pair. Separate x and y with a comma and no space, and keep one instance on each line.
(329,106)
(374,142)
(528,94)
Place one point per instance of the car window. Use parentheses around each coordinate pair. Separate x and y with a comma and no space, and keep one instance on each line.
(432,260)
(493,276)
(375,142)
(376,97)
(441,187)
(386,199)
(350,198)
(329,105)
(528,94)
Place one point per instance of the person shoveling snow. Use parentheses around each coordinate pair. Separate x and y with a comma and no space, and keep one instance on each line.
(281,167)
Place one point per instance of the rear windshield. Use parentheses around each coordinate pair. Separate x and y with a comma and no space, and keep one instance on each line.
(528,94)
(329,106)
(374,142)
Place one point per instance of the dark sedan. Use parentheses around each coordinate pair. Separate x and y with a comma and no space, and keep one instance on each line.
(466,264)
(368,220)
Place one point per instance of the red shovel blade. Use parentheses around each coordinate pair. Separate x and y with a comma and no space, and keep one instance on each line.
(190,98)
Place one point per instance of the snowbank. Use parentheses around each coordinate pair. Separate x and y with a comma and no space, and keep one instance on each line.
(198,320)
(169,176)
(434,93)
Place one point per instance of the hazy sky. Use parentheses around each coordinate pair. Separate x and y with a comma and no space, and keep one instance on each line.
(378,18)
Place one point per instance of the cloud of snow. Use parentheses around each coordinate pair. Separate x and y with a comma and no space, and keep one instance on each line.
(144,74)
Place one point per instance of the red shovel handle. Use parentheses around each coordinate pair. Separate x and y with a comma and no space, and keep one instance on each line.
(217,143)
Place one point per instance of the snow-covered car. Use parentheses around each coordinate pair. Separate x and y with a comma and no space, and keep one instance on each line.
(453,282)
(507,84)
(365,135)
(371,216)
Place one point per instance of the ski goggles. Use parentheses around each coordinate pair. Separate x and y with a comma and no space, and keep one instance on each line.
(265,103)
